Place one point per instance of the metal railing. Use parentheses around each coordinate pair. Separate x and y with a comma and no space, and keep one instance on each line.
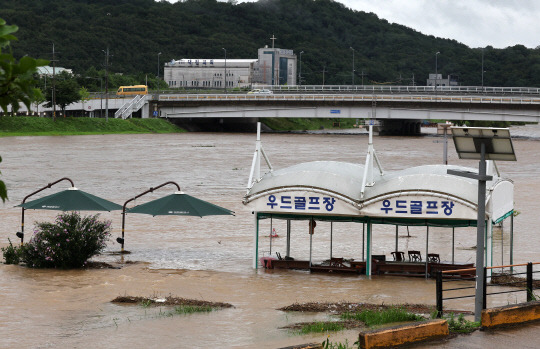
(369,89)
(129,107)
(519,100)
(523,284)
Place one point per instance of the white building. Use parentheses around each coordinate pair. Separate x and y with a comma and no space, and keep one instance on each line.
(438,79)
(209,73)
(273,67)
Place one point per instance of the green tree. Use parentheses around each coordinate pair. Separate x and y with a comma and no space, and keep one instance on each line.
(66,90)
(84,95)
(16,81)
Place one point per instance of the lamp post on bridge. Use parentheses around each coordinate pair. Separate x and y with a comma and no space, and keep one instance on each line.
(483,70)
(436,72)
(300,71)
(352,65)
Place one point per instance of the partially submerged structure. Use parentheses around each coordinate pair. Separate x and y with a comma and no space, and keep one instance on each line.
(345,192)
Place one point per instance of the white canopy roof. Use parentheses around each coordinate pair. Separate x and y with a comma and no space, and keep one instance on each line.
(335,188)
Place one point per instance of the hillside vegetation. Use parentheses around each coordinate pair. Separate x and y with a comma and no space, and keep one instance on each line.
(137,30)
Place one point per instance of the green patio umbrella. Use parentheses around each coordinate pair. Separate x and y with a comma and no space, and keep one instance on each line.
(180,204)
(71,199)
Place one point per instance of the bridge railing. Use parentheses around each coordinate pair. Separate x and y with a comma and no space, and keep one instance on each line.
(353,98)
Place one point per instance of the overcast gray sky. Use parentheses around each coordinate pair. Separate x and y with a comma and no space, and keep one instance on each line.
(476,23)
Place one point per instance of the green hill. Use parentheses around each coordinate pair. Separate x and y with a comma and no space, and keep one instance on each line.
(137,30)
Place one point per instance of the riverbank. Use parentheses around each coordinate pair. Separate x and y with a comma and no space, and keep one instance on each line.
(36,126)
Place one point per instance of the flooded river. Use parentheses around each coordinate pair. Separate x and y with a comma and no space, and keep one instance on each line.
(211,258)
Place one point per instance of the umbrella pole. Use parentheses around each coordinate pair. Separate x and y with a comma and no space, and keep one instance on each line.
(121,240)
(21,233)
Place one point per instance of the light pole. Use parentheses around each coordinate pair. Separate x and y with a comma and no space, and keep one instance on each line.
(352,65)
(106,83)
(158,71)
(436,68)
(158,64)
(225,69)
(300,71)
(483,70)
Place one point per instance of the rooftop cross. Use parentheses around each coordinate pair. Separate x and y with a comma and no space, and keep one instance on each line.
(273,38)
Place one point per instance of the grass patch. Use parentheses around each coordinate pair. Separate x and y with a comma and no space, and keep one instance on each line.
(460,324)
(321,327)
(380,317)
(190,309)
(38,126)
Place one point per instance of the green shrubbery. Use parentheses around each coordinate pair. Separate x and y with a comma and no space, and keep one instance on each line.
(67,243)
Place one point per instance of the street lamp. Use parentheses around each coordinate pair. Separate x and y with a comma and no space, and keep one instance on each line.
(158,71)
(481,144)
(225,69)
(300,71)
(483,70)
(158,64)
(436,67)
(106,83)
(352,65)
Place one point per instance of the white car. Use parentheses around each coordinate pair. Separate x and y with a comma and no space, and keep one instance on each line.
(261,91)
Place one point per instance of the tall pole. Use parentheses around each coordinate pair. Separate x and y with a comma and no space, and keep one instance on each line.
(352,65)
(480,226)
(158,71)
(158,64)
(53,84)
(274,63)
(482,70)
(300,71)
(106,83)
(436,68)
(225,69)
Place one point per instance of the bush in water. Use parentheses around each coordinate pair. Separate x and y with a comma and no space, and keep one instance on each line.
(67,243)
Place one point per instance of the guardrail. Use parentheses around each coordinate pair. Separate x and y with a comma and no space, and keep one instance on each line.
(516,100)
(370,89)
(524,284)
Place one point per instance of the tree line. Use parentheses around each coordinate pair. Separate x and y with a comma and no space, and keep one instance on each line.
(137,31)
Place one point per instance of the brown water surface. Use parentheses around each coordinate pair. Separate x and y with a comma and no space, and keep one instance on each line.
(210,258)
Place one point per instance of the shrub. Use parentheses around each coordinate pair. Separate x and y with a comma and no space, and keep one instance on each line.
(67,243)
(11,253)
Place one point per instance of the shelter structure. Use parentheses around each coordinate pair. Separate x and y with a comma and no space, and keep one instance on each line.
(346,192)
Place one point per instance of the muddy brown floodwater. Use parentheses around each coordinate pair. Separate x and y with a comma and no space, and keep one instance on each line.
(210,258)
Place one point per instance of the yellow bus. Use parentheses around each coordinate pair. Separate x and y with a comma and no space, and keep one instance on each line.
(132,90)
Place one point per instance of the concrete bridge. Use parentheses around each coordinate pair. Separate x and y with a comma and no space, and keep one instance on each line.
(400,108)
(399,113)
